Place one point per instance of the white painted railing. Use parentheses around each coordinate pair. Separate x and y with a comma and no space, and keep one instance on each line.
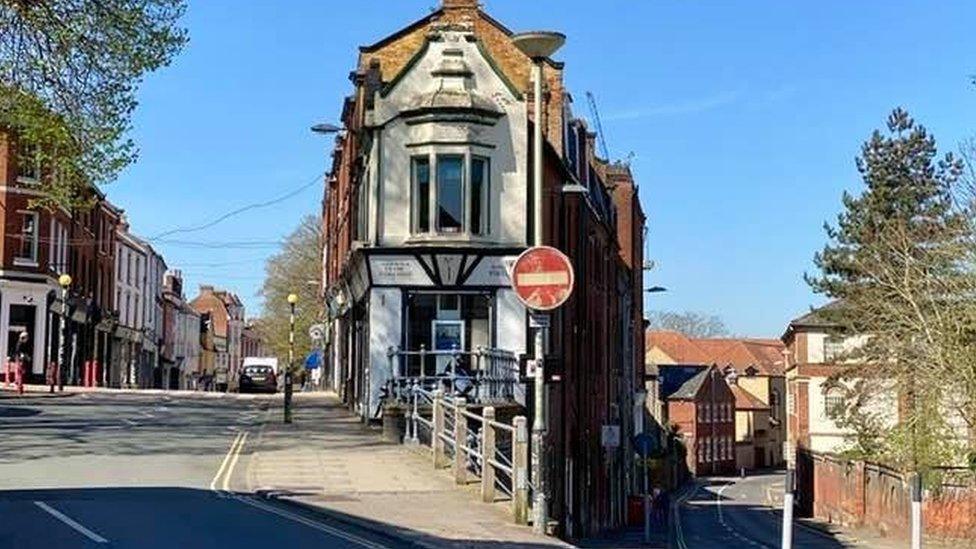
(473,445)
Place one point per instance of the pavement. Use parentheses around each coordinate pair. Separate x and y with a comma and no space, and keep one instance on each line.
(326,461)
(165,469)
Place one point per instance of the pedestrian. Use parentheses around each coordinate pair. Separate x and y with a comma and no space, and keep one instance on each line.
(22,353)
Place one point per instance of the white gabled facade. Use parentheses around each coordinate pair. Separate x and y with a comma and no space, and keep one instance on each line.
(443,215)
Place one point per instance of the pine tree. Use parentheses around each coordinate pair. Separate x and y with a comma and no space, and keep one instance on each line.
(900,262)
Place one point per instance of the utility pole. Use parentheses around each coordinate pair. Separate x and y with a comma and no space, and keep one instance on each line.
(538,46)
(292,300)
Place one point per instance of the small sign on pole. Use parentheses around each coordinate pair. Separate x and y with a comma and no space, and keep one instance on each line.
(610,436)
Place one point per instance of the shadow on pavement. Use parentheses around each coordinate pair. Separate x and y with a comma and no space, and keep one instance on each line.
(189,518)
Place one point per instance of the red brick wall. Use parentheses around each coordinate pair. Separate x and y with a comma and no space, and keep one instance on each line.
(858,494)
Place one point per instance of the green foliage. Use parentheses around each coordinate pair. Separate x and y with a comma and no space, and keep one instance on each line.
(70,70)
(900,260)
(296,269)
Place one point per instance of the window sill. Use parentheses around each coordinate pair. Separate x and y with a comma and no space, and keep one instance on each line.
(25,180)
(450,238)
(21,262)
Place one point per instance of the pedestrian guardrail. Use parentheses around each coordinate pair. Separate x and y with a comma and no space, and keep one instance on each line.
(473,445)
(483,376)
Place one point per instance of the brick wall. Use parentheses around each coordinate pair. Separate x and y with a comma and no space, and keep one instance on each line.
(859,494)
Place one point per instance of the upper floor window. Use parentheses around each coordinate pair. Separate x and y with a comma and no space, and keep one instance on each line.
(27,253)
(28,163)
(452,196)
(774,401)
(833,402)
(833,348)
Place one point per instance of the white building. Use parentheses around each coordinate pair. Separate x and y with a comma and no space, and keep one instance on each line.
(443,215)
(131,263)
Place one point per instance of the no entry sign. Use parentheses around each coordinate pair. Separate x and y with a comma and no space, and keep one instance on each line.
(542,278)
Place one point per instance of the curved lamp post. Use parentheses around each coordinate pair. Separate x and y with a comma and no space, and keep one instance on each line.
(65,282)
(292,300)
(537,46)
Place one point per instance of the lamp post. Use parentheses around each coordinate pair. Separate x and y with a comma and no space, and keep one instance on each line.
(64,281)
(292,300)
(537,46)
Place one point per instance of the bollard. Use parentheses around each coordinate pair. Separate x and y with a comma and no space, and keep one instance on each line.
(436,442)
(6,375)
(520,470)
(96,378)
(19,377)
(460,442)
(487,455)
(86,374)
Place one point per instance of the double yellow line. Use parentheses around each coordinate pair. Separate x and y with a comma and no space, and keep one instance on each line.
(226,470)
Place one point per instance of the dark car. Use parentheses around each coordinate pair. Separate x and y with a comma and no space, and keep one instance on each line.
(259,379)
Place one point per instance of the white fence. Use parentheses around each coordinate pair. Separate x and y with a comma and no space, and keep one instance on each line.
(473,445)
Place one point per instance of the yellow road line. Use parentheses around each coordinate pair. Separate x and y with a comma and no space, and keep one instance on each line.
(233,462)
(223,464)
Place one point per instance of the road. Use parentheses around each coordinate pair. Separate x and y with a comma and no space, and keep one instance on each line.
(732,512)
(146,471)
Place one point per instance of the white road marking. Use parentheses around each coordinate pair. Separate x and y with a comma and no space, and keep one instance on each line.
(130,422)
(311,523)
(721,518)
(70,522)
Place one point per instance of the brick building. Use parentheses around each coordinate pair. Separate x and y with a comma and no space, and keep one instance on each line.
(700,406)
(427,206)
(33,252)
(226,317)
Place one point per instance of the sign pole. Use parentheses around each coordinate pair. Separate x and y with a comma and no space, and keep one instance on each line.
(539,510)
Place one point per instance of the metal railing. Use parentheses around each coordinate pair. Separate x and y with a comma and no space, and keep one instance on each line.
(481,376)
(473,445)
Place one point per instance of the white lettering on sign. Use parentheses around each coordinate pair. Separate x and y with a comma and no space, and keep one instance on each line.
(554,278)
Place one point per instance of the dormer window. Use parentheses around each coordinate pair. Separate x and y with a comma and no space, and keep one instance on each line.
(450,194)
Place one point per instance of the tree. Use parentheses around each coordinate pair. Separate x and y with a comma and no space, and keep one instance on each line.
(900,262)
(69,71)
(297,268)
(689,323)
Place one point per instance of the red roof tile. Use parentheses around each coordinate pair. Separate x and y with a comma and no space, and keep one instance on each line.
(676,345)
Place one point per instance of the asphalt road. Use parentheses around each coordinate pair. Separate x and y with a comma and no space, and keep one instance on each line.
(146,471)
(732,512)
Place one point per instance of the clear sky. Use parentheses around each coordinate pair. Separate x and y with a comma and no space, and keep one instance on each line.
(743,117)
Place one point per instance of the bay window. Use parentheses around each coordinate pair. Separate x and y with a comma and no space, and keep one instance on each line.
(450,194)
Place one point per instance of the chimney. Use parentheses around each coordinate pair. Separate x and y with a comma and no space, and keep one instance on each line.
(449,5)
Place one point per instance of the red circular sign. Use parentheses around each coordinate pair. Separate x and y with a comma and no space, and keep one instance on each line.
(542,278)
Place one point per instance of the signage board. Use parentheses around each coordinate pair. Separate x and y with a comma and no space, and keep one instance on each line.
(610,436)
(542,278)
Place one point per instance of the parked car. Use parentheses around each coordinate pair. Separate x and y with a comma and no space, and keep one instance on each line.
(258,378)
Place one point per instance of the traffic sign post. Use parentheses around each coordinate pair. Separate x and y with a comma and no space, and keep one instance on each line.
(542,278)
(646,444)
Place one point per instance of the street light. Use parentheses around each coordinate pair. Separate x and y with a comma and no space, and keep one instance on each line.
(655,290)
(537,46)
(326,128)
(292,300)
(64,281)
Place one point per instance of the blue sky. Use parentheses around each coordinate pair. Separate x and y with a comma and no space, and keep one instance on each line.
(743,118)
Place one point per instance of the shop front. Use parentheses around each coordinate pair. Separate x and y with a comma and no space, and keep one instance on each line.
(422,312)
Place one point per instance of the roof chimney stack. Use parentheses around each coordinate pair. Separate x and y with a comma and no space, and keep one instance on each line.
(461,4)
